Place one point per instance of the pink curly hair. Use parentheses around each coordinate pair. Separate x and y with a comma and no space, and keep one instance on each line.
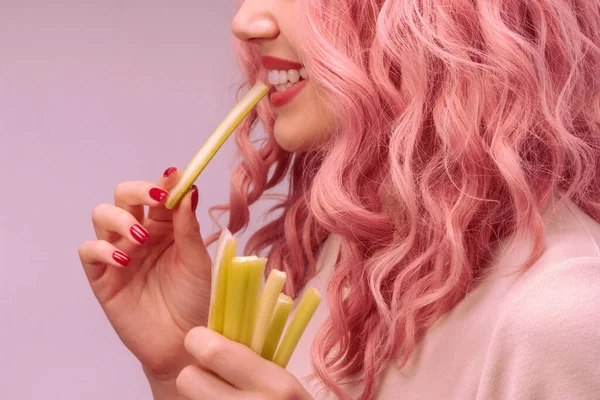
(456,121)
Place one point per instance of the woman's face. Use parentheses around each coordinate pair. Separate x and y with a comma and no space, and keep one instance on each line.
(301,122)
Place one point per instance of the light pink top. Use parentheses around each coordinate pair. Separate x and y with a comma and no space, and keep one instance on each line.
(534,335)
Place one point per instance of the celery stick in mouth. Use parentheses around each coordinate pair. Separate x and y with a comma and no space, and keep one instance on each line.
(214,143)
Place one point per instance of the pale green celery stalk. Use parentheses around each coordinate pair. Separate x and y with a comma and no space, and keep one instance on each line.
(225,253)
(280,315)
(214,142)
(267,302)
(256,271)
(306,309)
(237,286)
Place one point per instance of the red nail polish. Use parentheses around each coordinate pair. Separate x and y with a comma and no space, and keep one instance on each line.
(121,258)
(194,197)
(139,233)
(169,171)
(158,194)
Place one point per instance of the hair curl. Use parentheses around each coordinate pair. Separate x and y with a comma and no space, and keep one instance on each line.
(456,121)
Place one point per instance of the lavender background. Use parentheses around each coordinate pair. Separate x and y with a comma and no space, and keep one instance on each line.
(93,93)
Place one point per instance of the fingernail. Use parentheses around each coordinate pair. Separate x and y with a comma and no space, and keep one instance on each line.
(121,258)
(194,197)
(169,171)
(158,194)
(139,233)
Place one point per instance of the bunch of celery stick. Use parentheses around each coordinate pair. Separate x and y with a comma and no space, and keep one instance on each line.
(249,312)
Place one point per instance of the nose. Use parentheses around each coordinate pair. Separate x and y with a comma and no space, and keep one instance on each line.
(254,21)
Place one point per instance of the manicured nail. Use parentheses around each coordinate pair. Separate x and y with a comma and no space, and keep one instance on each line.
(139,233)
(169,171)
(194,197)
(121,258)
(158,194)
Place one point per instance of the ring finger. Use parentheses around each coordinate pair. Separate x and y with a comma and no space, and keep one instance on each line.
(96,256)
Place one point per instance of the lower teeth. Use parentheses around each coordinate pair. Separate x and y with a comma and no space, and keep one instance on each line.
(282,87)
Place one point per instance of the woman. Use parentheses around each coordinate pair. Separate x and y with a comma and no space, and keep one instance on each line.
(443,159)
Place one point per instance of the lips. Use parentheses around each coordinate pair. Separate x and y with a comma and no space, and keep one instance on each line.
(270,63)
(285,91)
(280,99)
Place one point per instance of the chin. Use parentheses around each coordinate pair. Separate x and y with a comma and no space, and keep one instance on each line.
(297,137)
(291,145)
(292,140)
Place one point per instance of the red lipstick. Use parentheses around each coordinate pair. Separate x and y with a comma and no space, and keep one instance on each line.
(279,99)
(271,63)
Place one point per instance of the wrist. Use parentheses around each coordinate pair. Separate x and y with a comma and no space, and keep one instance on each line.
(163,388)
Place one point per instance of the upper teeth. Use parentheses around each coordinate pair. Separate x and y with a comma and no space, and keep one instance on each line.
(277,77)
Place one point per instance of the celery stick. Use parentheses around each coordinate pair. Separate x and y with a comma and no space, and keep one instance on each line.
(306,309)
(256,273)
(214,142)
(267,302)
(280,315)
(237,286)
(226,247)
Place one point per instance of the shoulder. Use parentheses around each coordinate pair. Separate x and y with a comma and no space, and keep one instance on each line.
(546,340)
(559,303)
(559,296)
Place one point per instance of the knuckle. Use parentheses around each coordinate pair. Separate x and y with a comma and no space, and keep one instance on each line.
(190,339)
(99,210)
(185,376)
(93,250)
(288,390)
(102,246)
(122,188)
(192,228)
(206,349)
(83,248)
(128,189)
(211,350)
(123,218)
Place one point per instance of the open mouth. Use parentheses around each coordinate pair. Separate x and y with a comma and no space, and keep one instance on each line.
(283,79)
(286,77)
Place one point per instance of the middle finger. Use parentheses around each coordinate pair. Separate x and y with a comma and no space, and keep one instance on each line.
(110,220)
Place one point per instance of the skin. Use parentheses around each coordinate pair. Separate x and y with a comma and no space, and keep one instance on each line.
(229,370)
(273,26)
(163,293)
(158,303)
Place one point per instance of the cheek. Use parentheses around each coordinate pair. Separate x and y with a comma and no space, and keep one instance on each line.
(305,126)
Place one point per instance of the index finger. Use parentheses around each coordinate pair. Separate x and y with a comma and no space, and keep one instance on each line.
(167,182)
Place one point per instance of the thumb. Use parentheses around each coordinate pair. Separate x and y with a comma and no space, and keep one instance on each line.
(189,244)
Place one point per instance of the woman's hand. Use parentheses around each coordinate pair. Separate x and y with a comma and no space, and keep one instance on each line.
(151,273)
(226,370)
